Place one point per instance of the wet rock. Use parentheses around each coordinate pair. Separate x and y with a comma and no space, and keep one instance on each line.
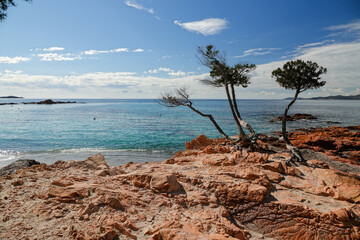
(18,164)
(295,117)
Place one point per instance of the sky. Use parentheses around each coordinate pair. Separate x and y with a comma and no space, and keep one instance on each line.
(142,48)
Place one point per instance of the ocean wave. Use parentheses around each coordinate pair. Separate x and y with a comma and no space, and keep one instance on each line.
(99,150)
(113,156)
(8,155)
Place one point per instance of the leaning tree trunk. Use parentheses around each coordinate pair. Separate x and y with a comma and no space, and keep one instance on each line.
(253,135)
(211,119)
(241,131)
(294,150)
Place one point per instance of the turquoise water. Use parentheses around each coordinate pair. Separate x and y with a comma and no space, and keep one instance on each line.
(140,130)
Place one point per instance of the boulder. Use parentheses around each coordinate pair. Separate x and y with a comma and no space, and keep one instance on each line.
(199,143)
(164,182)
(96,161)
(13,167)
(47,101)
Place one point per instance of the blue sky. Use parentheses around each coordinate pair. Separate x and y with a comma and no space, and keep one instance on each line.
(138,49)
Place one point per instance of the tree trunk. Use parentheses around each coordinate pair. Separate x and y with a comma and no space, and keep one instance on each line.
(294,150)
(211,119)
(253,135)
(238,125)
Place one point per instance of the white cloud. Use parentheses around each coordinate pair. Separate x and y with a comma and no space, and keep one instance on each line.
(257,52)
(209,26)
(153,71)
(344,29)
(342,61)
(339,91)
(52,49)
(164,69)
(138,50)
(13,60)
(169,72)
(160,69)
(93,52)
(356,91)
(119,50)
(266,93)
(83,85)
(315,44)
(134,4)
(48,57)
(178,73)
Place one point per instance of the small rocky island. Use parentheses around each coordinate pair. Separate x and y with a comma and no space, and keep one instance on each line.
(295,117)
(47,101)
(10,97)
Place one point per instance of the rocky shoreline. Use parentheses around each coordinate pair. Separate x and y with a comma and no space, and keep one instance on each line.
(209,191)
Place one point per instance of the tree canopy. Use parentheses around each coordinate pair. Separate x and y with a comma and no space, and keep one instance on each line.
(299,75)
(4,5)
(223,75)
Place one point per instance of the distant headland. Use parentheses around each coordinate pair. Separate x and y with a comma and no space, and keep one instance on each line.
(11,97)
(336,97)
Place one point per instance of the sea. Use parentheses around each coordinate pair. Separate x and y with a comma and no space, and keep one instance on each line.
(141,130)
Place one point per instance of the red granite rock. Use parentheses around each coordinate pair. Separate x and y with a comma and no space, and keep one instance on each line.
(209,191)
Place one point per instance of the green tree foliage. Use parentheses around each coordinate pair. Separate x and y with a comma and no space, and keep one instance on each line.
(4,5)
(222,75)
(300,76)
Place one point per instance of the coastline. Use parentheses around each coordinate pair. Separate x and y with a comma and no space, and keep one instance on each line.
(44,131)
(211,190)
(113,157)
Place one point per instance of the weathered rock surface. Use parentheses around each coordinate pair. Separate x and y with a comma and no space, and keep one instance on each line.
(13,167)
(209,191)
(295,117)
(339,143)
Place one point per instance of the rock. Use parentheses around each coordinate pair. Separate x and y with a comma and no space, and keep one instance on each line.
(339,143)
(163,182)
(70,193)
(102,172)
(209,191)
(18,164)
(295,117)
(47,101)
(317,163)
(256,157)
(214,159)
(96,161)
(275,167)
(113,202)
(17,182)
(199,143)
